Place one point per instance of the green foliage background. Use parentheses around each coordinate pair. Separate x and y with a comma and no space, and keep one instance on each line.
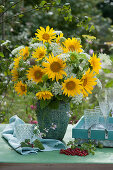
(73,18)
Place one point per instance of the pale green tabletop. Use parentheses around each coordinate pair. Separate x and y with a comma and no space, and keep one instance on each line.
(8,155)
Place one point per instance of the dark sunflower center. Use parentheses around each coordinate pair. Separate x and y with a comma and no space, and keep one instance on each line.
(26,54)
(23,88)
(85,82)
(55,67)
(41,54)
(38,74)
(72,48)
(45,36)
(70,85)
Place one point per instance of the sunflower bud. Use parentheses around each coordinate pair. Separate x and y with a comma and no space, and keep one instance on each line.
(62,39)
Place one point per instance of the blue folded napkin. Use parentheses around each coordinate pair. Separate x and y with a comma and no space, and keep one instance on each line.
(9,134)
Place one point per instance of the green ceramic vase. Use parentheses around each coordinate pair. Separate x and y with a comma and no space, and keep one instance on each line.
(53,120)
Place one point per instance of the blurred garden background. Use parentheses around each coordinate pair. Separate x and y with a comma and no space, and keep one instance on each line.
(83,19)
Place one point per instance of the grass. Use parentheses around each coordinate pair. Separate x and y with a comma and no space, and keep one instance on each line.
(12,104)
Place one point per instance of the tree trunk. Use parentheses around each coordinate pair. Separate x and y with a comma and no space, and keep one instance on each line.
(3,25)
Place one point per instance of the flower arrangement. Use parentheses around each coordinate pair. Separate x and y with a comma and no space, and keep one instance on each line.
(54,68)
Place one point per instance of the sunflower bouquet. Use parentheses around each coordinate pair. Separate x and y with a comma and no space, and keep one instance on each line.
(54,68)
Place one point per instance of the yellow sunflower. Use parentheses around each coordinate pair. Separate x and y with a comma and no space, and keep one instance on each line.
(88,81)
(39,53)
(24,52)
(58,38)
(20,88)
(45,35)
(95,63)
(14,73)
(16,62)
(35,73)
(71,87)
(44,95)
(54,68)
(72,45)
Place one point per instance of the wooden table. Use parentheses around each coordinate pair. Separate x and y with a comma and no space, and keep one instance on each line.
(11,160)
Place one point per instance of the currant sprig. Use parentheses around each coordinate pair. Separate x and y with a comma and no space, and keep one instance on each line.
(83,150)
(73,152)
(34,144)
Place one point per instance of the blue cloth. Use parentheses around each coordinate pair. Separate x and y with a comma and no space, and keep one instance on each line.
(8,134)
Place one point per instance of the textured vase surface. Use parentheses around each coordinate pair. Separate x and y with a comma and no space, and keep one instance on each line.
(48,117)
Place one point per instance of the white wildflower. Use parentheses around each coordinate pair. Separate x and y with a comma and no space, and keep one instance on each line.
(3,96)
(36,45)
(46,130)
(41,135)
(4,103)
(105,60)
(11,66)
(21,69)
(106,80)
(5,43)
(81,68)
(64,56)
(56,49)
(77,99)
(69,71)
(56,89)
(50,13)
(23,35)
(58,32)
(53,126)
(85,58)
(5,81)
(109,75)
(30,83)
(16,50)
(87,55)
(10,55)
(70,113)
(28,62)
(99,84)
(2,75)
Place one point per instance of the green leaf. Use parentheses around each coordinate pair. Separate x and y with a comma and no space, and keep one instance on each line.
(1,8)
(66,18)
(13,6)
(86,27)
(93,153)
(23,144)
(42,3)
(91,28)
(82,56)
(109,84)
(2,55)
(106,70)
(45,77)
(44,103)
(35,131)
(21,15)
(38,144)
(54,104)
(58,2)
(59,10)
(27,140)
